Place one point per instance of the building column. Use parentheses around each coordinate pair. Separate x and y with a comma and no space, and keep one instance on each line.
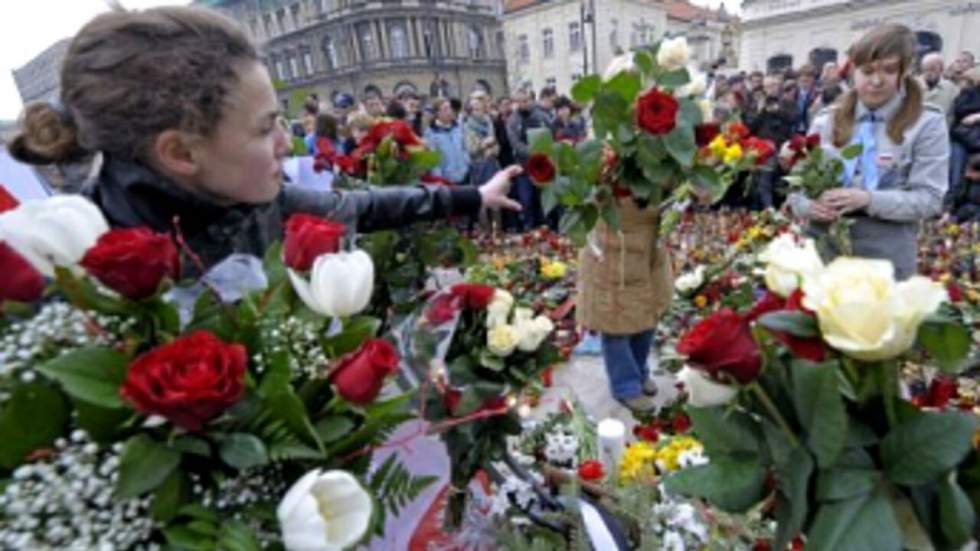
(410,36)
(381,38)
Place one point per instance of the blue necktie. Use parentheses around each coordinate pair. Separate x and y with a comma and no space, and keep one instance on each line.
(869,153)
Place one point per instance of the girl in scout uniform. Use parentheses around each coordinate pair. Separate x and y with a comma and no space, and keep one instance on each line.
(902,174)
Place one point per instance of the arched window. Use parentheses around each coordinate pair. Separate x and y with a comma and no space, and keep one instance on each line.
(365,33)
(779,62)
(548,41)
(475,42)
(404,87)
(928,42)
(329,52)
(398,38)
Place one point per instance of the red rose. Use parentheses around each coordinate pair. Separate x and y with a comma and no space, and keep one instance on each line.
(453,396)
(723,343)
(133,261)
(541,169)
(955,293)
(738,131)
(473,295)
(189,381)
(442,309)
(19,281)
(813,141)
(656,112)
(591,470)
(649,432)
(7,201)
(763,149)
(706,133)
(326,155)
(399,130)
(309,236)
(942,391)
(680,423)
(360,374)
(797,143)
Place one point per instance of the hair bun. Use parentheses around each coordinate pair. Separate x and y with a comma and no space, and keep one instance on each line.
(47,135)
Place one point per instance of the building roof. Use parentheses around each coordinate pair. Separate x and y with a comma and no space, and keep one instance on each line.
(676,9)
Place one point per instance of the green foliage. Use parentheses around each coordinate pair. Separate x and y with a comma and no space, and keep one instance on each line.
(394,487)
(32,417)
(145,464)
(93,375)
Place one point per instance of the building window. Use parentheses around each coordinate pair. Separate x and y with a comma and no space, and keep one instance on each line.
(308,61)
(281,19)
(779,63)
(501,43)
(475,43)
(329,52)
(614,34)
(368,46)
(294,11)
(548,41)
(398,37)
(523,49)
(280,68)
(293,66)
(267,23)
(551,82)
(430,40)
(574,36)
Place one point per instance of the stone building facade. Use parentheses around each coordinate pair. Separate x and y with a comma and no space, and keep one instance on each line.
(777,34)
(433,47)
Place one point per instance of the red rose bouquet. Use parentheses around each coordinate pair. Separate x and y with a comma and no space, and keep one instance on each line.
(390,154)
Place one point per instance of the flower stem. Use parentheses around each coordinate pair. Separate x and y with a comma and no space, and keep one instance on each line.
(774,412)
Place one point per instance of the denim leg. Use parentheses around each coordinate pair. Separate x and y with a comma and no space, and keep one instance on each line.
(957,166)
(624,374)
(526,197)
(640,345)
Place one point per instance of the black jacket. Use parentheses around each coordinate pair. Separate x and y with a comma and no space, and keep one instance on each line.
(776,125)
(131,195)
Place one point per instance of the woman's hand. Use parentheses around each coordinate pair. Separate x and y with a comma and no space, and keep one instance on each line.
(494,193)
(971,119)
(844,200)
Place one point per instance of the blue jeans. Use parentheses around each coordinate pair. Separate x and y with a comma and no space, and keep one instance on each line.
(530,200)
(627,362)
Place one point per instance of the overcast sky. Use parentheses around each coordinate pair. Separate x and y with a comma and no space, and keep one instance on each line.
(28,28)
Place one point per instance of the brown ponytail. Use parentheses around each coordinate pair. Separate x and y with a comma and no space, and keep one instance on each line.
(880,43)
(46,136)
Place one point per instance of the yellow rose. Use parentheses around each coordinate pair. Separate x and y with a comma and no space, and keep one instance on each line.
(718,146)
(733,153)
(553,270)
(788,263)
(502,340)
(864,313)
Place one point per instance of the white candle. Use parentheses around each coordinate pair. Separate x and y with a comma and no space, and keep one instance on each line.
(612,440)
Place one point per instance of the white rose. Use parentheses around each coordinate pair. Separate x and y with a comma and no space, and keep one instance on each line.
(340,284)
(697,86)
(502,340)
(690,281)
(673,54)
(618,65)
(499,308)
(707,110)
(56,231)
(324,511)
(787,263)
(864,313)
(534,332)
(703,392)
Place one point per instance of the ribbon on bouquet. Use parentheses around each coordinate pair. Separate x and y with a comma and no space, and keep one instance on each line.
(604,531)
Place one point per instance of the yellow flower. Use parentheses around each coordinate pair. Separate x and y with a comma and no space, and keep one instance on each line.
(754,233)
(668,456)
(718,146)
(973,296)
(553,270)
(953,229)
(638,461)
(700,301)
(732,154)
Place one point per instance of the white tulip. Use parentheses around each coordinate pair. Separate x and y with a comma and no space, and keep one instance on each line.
(690,281)
(788,264)
(340,284)
(324,511)
(533,332)
(673,54)
(702,391)
(619,64)
(56,231)
(499,308)
(697,86)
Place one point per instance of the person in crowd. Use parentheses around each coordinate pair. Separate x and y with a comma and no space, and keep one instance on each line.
(359,124)
(396,110)
(191,143)
(546,103)
(482,146)
(413,106)
(445,135)
(939,91)
(310,110)
(772,119)
(501,114)
(568,125)
(965,130)
(325,129)
(966,205)
(756,89)
(374,105)
(957,70)
(524,119)
(806,95)
(902,174)
(829,75)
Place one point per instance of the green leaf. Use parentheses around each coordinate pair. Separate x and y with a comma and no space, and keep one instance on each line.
(627,84)
(733,484)
(144,465)
(83,293)
(725,432)
(242,451)
(845,483)
(852,151)
(354,333)
(277,374)
(794,480)
(491,361)
(168,498)
(333,428)
(549,199)
(275,268)
(610,215)
(708,178)
(798,324)
(681,146)
(644,61)
(236,536)
(956,514)
(946,342)
(192,444)
(33,417)
(540,140)
(585,89)
(674,79)
(290,409)
(820,409)
(90,374)
(923,448)
(856,524)
(100,423)
(690,112)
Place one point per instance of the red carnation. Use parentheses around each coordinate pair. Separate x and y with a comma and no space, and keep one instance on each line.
(309,236)
(360,375)
(723,343)
(473,295)
(705,133)
(656,112)
(189,381)
(19,281)
(541,169)
(591,470)
(7,201)
(133,261)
